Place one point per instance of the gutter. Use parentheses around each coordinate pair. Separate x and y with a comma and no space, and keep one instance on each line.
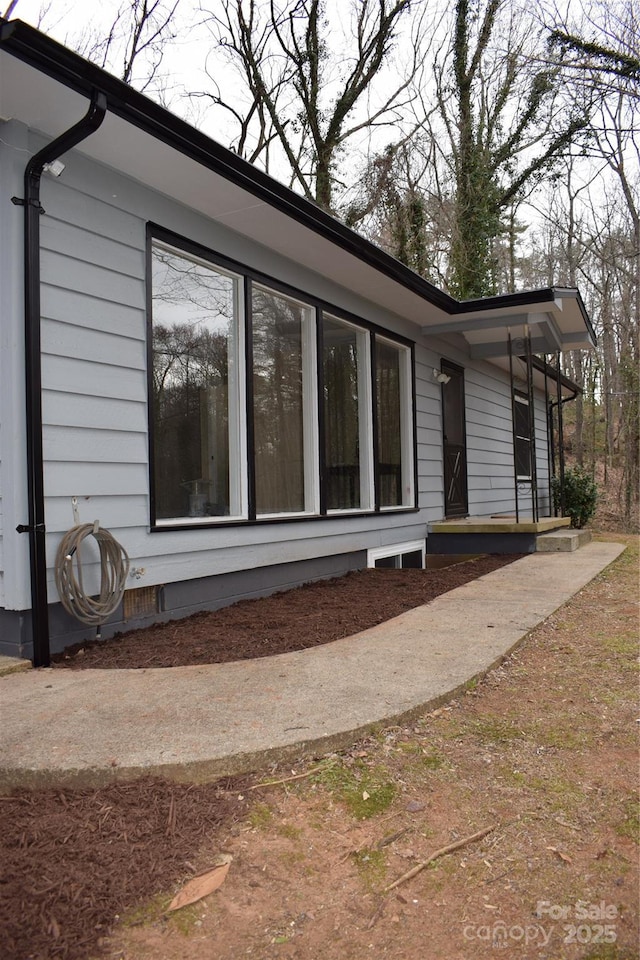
(56,61)
(33,367)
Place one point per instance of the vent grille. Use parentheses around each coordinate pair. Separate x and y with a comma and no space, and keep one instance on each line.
(140,602)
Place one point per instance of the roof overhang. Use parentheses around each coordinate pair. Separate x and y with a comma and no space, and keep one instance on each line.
(47,87)
(554,321)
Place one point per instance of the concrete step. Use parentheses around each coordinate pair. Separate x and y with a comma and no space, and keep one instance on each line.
(562,541)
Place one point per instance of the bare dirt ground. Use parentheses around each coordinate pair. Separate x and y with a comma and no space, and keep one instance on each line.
(543,752)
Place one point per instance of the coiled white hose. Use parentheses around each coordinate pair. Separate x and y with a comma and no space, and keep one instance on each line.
(114,567)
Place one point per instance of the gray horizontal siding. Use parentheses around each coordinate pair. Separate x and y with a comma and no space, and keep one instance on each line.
(429,433)
(489,442)
(95,393)
(95,396)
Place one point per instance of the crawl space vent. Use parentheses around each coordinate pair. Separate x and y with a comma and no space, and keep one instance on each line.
(140,603)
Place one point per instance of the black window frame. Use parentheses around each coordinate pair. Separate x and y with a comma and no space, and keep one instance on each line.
(523,446)
(249,276)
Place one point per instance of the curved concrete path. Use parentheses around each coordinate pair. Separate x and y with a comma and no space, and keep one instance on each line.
(189,723)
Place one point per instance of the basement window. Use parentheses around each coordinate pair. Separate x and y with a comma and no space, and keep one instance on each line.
(401,556)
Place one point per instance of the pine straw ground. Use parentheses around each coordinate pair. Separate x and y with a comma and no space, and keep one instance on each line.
(543,750)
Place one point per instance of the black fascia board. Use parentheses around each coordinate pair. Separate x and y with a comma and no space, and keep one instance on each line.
(63,65)
(526,297)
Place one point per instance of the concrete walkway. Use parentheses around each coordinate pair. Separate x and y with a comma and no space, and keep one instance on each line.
(189,723)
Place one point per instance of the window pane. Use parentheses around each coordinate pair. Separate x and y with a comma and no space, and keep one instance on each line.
(523,437)
(387,562)
(413,560)
(347,437)
(281,342)
(195,387)
(389,403)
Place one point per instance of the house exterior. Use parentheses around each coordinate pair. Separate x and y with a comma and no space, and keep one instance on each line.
(243,391)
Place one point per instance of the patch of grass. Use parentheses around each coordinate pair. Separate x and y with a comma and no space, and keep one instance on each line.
(372,866)
(563,737)
(144,914)
(260,816)
(515,777)
(289,831)
(609,951)
(365,791)
(147,912)
(495,729)
(630,826)
(432,760)
(185,920)
(624,644)
(408,746)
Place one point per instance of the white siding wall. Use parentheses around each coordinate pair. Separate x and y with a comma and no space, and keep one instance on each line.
(95,390)
(489,443)
(14,547)
(489,436)
(95,386)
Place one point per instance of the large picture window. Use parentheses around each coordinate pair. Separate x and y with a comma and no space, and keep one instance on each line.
(196,384)
(262,404)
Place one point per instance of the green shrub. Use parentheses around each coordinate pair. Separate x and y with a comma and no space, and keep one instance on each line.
(580,496)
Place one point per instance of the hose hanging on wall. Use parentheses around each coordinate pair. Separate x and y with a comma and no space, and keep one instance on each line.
(114,567)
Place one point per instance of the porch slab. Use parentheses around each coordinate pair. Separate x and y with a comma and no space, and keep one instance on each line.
(89,727)
(497,525)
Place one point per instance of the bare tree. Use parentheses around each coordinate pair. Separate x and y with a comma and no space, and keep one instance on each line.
(308,84)
(137,36)
(507,122)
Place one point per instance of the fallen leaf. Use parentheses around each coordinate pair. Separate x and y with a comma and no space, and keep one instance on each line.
(560,854)
(202,885)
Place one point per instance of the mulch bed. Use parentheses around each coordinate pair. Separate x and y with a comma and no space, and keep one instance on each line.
(296,619)
(72,861)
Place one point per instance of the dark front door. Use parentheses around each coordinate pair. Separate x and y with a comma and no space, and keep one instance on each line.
(454,441)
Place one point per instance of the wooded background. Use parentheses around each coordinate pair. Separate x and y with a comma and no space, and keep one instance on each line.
(491,145)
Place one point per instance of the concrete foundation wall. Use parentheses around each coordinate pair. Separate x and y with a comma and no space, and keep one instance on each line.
(175,600)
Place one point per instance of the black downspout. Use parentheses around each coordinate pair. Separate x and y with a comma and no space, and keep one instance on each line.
(513,428)
(33,369)
(560,434)
(549,427)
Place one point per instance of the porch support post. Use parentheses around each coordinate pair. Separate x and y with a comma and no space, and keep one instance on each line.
(560,435)
(513,426)
(532,422)
(547,411)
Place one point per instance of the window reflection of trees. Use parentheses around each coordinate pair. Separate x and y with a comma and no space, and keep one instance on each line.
(194,334)
(389,413)
(278,401)
(342,414)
